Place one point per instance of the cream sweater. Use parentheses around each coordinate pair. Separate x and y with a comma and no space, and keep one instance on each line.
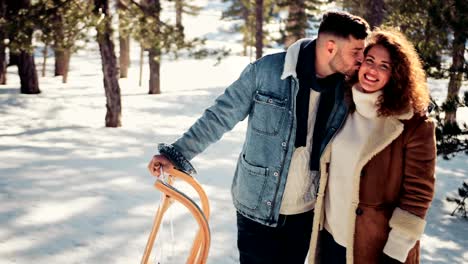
(297,197)
(345,152)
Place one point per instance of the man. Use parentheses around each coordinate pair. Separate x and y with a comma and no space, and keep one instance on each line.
(294,102)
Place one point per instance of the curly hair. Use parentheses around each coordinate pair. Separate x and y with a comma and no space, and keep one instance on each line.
(407,86)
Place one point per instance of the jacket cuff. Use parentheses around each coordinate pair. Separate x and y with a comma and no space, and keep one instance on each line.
(179,161)
(398,246)
(406,229)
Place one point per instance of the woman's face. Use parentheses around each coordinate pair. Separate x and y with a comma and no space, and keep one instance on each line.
(375,70)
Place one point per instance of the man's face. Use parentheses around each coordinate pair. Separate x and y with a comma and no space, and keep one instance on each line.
(349,56)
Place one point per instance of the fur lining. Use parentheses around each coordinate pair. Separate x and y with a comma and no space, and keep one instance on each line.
(407,223)
(406,116)
(319,209)
(178,160)
(292,55)
(406,230)
(398,246)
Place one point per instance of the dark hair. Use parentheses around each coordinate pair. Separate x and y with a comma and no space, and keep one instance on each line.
(342,24)
(407,87)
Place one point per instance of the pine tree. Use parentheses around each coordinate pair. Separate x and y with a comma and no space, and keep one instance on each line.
(253,18)
(20,29)
(455,15)
(461,201)
(300,14)
(373,11)
(297,20)
(451,138)
(62,23)
(150,33)
(184,7)
(419,20)
(163,38)
(241,10)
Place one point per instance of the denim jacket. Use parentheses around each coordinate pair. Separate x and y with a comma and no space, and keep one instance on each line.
(265,92)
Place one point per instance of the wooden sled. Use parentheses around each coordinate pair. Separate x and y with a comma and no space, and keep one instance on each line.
(201,244)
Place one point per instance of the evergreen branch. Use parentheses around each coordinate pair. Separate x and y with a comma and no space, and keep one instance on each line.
(138,5)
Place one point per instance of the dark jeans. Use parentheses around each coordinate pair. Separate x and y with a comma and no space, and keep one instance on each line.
(334,253)
(286,243)
(331,252)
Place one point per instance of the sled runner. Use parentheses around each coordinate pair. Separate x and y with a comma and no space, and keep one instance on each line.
(201,244)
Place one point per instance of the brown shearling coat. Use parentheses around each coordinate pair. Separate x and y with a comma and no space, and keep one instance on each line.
(393,189)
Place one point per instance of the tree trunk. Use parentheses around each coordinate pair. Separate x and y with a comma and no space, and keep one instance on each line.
(259,28)
(155,64)
(66,65)
(26,65)
(456,76)
(246,44)
(27,73)
(62,62)
(124,58)
(3,65)
(375,12)
(153,9)
(44,59)
(59,62)
(109,67)
(179,9)
(142,51)
(59,51)
(296,23)
(13,59)
(124,41)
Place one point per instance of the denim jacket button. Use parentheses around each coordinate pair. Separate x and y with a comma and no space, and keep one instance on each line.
(283,144)
(268,203)
(270,100)
(276,174)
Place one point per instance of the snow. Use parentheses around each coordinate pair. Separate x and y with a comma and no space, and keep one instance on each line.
(73,191)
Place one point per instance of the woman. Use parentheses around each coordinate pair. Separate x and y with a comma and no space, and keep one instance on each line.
(377,175)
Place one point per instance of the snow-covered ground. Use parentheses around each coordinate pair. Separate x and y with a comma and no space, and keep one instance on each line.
(73,191)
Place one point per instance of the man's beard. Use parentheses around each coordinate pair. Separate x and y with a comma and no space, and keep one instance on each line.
(337,64)
(351,73)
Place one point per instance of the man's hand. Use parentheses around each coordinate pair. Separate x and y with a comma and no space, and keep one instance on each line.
(156,163)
